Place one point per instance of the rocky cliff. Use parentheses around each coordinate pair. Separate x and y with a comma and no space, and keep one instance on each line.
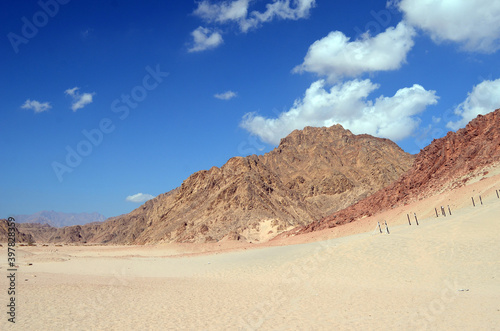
(443,165)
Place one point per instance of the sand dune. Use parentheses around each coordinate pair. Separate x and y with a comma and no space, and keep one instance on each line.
(443,274)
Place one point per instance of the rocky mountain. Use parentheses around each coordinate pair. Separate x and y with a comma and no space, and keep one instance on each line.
(58,219)
(42,232)
(20,236)
(311,174)
(443,165)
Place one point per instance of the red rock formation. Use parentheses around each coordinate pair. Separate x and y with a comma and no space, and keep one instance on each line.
(442,165)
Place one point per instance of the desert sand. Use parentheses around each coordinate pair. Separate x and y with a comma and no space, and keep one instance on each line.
(443,274)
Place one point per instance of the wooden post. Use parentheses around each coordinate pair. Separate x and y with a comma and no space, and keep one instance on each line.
(379,228)
(386,227)
(481,200)
(416,220)
(449,210)
(409,222)
(443,211)
(435,209)
(497,195)
(473,203)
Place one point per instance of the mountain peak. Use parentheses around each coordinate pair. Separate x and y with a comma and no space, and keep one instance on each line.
(445,164)
(312,173)
(312,135)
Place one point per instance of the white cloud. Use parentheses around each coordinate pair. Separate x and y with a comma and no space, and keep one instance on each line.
(346,103)
(473,24)
(279,9)
(335,56)
(204,38)
(238,11)
(71,91)
(484,98)
(139,198)
(222,12)
(36,106)
(79,100)
(82,101)
(226,95)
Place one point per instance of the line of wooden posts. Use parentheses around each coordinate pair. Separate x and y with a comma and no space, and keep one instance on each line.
(442,209)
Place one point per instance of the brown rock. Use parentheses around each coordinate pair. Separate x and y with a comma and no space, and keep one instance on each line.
(21,237)
(312,173)
(438,167)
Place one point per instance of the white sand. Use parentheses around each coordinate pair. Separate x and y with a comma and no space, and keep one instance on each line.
(442,275)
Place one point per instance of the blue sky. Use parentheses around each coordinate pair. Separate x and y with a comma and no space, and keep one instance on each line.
(108,103)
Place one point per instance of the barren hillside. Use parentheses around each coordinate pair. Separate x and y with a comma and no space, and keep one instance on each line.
(311,174)
(445,164)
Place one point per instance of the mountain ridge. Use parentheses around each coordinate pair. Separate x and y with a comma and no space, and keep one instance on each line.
(442,165)
(310,174)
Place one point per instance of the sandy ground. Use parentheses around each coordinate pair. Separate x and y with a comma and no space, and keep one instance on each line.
(441,275)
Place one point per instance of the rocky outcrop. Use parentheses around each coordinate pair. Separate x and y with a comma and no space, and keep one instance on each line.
(42,232)
(19,236)
(443,165)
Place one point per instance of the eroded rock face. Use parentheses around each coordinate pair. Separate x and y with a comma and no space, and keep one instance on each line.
(443,165)
(21,237)
(312,173)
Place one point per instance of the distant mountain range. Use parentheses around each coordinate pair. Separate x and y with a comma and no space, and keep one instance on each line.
(57,219)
